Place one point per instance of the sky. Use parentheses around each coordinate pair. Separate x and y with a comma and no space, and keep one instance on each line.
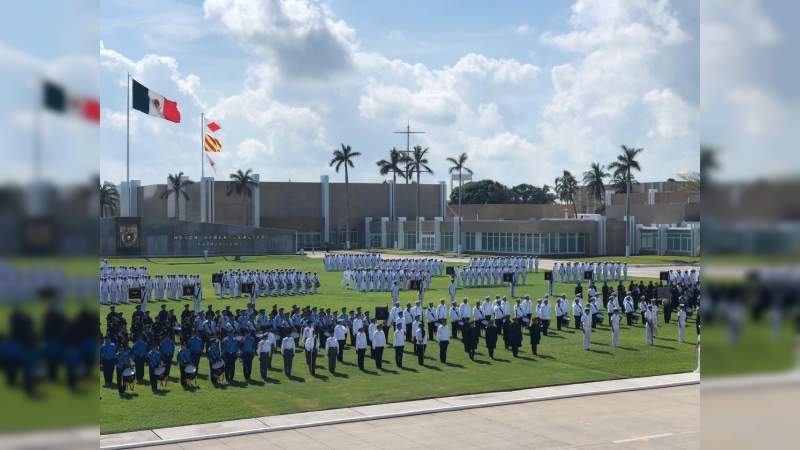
(526,89)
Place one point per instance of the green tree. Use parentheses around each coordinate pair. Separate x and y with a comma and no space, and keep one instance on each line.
(566,187)
(243,184)
(344,157)
(594,181)
(393,165)
(480,192)
(109,199)
(419,163)
(459,167)
(623,168)
(176,185)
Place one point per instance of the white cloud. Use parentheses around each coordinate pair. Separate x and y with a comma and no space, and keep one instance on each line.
(302,36)
(523,29)
(673,117)
(250,150)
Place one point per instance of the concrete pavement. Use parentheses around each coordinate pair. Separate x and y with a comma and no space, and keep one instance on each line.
(404,420)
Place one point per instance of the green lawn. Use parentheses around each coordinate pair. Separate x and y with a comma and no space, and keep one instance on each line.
(561,360)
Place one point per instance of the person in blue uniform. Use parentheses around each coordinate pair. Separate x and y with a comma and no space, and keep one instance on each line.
(153,361)
(213,354)
(123,361)
(248,348)
(195,349)
(184,360)
(167,350)
(230,350)
(139,351)
(108,353)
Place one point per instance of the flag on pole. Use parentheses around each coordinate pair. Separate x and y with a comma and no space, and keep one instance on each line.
(212,144)
(57,99)
(153,103)
(213,126)
(212,164)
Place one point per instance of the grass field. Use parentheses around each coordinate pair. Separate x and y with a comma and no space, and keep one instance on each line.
(561,359)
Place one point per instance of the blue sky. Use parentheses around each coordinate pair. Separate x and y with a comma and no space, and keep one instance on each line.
(527,89)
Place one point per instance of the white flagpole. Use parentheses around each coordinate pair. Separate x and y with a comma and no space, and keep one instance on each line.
(128,141)
(202,146)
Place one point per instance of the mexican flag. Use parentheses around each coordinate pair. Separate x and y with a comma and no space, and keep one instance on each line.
(153,103)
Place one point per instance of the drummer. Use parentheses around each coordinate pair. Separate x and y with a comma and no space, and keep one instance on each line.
(167,350)
(195,349)
(122,362)
(214,358)
(184,362)
(153,362)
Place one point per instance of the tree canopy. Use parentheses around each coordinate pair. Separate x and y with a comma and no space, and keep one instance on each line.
(490,191)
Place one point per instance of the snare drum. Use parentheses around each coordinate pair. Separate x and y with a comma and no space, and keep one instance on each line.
(128,378)
(295,334)
(485,322)
(526,320)
(460,323)
(216,369)
(161,375)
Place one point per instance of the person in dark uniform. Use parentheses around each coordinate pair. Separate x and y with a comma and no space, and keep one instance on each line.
(153,361)
(230,350)
(515,337)
(108,353)
(167,350)
(248,348)
(536,335)
(470,336)
(491,338)
(213,354)
(123,361)
(184,360)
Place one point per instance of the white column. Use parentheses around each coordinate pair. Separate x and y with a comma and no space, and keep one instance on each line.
(609,197)
(392,195)
(401,234)
(478,239)
(420,224)
(256,201)
(384,239)
(662,238)
(437,233)
(443,198)
(651,196)
(207,200)
(129,198)
(457,234)
(367,234)
(326,230)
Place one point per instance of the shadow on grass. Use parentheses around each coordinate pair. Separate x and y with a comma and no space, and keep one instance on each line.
(368,372)
(603,352)
(480,361)
(525,358)
(436,368)
(320,377)
(628,348)
(409,369)
(551,335)
(501,360)
(340,375)
(297,379)
(255,382)
(389,371)
(664,347)
(459,366)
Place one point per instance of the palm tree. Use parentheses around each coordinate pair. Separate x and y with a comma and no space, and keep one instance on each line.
(395,165)
(109,199)
(593,179)
(419,163)
(623,167)
(344,157)
(177,184)
(459,166)
(566,186)
(243,183)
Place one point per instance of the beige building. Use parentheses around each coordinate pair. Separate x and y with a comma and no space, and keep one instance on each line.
(383,215)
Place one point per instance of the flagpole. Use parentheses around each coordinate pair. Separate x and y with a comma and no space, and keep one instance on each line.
(202,138)
(128,141)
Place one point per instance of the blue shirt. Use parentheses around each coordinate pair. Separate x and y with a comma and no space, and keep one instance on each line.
(139,349)
(153,358)
(167,348)
(248,344)
(123,359)
(229,345)
(213,353)
(184,357)
(108,350)
(195,344)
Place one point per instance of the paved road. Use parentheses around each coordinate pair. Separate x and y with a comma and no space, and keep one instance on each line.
(634,270)
(666,418)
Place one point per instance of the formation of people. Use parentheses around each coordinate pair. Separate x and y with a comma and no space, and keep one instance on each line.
(237,283)
(341,262)
(118,283)
(575,271)
(228,337)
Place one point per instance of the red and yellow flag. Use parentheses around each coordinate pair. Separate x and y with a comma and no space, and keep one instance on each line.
(212,144)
